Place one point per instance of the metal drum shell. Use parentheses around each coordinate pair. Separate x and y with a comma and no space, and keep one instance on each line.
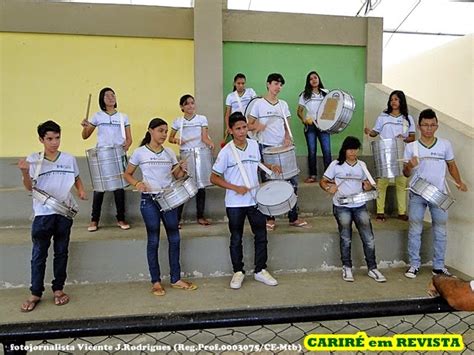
(358,198)
(388,157)
(431,194)
(106,166)
(248,109)
(177,193)
(345,116)
(285,157)
(199,164)
(285,203)
(59,207)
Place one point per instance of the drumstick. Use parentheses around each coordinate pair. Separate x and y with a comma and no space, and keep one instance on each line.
(177,166)
(88,106)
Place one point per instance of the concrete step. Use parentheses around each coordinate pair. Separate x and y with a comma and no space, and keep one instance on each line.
(113,255)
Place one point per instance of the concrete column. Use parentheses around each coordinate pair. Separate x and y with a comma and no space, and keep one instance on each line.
(374,49)
(208,64)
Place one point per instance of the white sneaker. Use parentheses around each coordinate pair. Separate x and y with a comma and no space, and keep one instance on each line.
(265,277)
(347,274)
(376,275)
(237,280)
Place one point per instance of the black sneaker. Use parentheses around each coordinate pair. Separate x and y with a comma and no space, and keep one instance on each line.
(442,271)
(411,272)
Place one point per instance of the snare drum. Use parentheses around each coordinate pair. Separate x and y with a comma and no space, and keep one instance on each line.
(335,112)
(59,207)
(388,157)
(285,157)
(275,198)
(431,194)
(107,165)
(199,165)
(358,198)
(179,192)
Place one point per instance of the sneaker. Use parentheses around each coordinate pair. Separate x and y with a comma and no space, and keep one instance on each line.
(347,274)
(376,275)
(237,280)
(442,271)
(265,277)
(411,272)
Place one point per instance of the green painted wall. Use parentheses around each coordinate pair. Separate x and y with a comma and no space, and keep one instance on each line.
(340,67)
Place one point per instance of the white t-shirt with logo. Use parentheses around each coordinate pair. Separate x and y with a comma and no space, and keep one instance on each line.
(156,167)
(109,132)
(388,126)
(432,161)
(232,102)
(271,115)
(191,130)
(226,167)
(348,178)
(56,178)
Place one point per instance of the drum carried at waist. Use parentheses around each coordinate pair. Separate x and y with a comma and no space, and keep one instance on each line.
(199,164)
(358,198)
(335,112)
(388,157)
(285,157)
(275,198)
(57,206)
(179,192)
(107,165)
(431,194)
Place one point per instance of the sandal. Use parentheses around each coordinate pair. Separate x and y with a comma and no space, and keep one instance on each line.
(300,224)
(123,225)
(93,226)
(184,285)
(270,227)
(310,180)
(158,290)
(60,298)
(30,304)
(203,222)
(403,217)
(380,217)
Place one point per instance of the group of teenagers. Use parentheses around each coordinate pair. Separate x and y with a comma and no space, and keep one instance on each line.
(56,172)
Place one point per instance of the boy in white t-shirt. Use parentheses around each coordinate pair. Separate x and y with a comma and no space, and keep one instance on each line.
(427,158)
(344,177)
(58,173)
(240,199)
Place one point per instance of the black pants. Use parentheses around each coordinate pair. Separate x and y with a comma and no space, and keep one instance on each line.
(200,205)
(119,196)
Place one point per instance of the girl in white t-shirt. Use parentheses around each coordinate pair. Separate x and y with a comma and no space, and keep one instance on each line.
(394,122)
(193,133)
(158,164)
(238,99)
(109,126)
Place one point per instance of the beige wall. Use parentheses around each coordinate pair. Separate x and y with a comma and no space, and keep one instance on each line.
(442,78)
(460,224)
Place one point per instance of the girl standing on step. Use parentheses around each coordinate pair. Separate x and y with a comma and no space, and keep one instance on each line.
(157,164)
(193,133)
(238,99)
(394,122)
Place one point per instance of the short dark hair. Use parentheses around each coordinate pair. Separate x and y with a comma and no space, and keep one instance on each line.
(428,114)
(349,143)
(48,126)
(236,117)
(276,77)
(101,98)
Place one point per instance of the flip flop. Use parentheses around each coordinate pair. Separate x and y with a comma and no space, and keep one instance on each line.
(299,224)
(188,286)
(270,227)
(123,225)
(203,222)
(158,291)
(29,305)
(380,217)
(310,180)
(61,299)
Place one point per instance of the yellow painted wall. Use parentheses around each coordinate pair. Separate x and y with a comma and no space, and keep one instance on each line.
(49,76)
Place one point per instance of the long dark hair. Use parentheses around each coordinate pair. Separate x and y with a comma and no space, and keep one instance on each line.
(308,89)
(238,76)
(101,98)
(403,104)
(349,143)
(185,98)
(155,122)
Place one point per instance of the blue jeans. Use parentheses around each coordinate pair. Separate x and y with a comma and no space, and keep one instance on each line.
(344,217)
(44,227)
(152,216)
(293,213)
(417,207)
(257,220)
(312,134)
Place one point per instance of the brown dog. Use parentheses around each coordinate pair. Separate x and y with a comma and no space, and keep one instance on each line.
(456,292)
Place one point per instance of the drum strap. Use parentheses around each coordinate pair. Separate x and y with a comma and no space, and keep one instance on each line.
(39,164)
(122,126)
(367,173)
(239,101)
(285,120)
(240,165)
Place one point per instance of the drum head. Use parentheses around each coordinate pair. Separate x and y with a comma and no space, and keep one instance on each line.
(274,192)
(277,150)
(248,109)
